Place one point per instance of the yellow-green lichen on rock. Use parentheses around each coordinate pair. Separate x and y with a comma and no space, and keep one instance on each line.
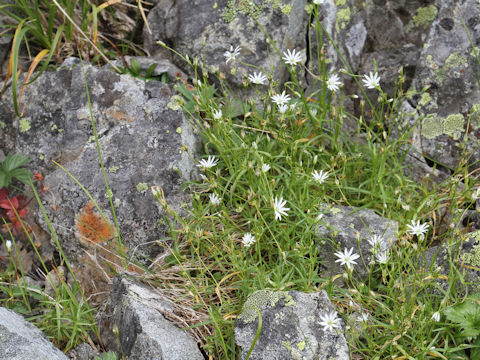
(343,17)
(432,126)
(425,99)
(472,258)
(249,8)
(454,125)
(425,15)
(259,300)
(340,2)
(454,61)
(142,187)
(474,117)
(24,125)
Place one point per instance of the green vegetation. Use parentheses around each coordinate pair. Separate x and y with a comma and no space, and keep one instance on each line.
(273,162)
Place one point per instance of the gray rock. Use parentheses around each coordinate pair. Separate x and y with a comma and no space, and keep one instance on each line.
(203,31)
(83,352)
(466,259)
(290,327)
(20,340)
(448,69)
(143,143)
(344,227)
(143,332)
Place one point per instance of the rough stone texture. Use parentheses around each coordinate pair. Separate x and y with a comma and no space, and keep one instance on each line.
(20,340)
(141,139)
(446,66)
(5,41)
(83,352)
(200,30)
(466,258)
(346,227)
(142,330)
(290,327)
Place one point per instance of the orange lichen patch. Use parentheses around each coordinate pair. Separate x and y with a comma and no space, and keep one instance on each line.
(118,115)
(92,228)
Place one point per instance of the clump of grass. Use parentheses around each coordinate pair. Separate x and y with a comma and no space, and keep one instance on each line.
(273,162)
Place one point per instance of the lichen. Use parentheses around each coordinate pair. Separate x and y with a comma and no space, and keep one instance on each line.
(454,61)
(114,169)
(301,345)
(454,125)
(425,15)
(432,126)
(3,125)
(179,130)
(259,300)
(473,257)
(343,17)
(246,7)
(176,102)
(24,125)
(425,99)
(142,187)
(287,9)
(340,2)
(474,117)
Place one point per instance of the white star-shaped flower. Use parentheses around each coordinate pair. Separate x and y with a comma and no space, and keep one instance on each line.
(333,83)
(320,176)
(207,164)
(282,108)
(265,168)
(292,58)
(214,199)
(281,99)
(318,2)
(232,54)
(248,240)
(8,245)
(279,208)
(382,257)
(372,81)
(436,316)
(330,321)
(217,114)
(347,257)
(416,228)
(257,78)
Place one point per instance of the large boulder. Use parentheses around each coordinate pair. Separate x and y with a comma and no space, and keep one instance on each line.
(291,327)
(205,30)
(20,340)
(131,323)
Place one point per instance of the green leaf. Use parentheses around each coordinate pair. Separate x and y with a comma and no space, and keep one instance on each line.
(467,316)
(4,178)
(150,70)
(14,161)
(22,175)
(134,67)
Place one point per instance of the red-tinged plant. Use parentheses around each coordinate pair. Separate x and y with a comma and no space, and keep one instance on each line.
(15,210)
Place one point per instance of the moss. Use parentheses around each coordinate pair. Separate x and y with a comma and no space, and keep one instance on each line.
(432,126)
(425,15)
(454,125)
(24,125)
(142,187)
(343,17)
(259,300)
(474,117)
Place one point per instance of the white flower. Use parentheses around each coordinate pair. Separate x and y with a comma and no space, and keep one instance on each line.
(8,245)
(382,257)
(214,199)
(363,317)
(265,168)
(279,208)
(347,257)
(436,316)
(292,58)
(372,81)
(417,229)
(281,99)
(232,54)
(282,108)
(375,241)
(257,78)
(248,240)
(320,176)
(330,321)
(333,82)
(217,114)
(318,2)
(207,164)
